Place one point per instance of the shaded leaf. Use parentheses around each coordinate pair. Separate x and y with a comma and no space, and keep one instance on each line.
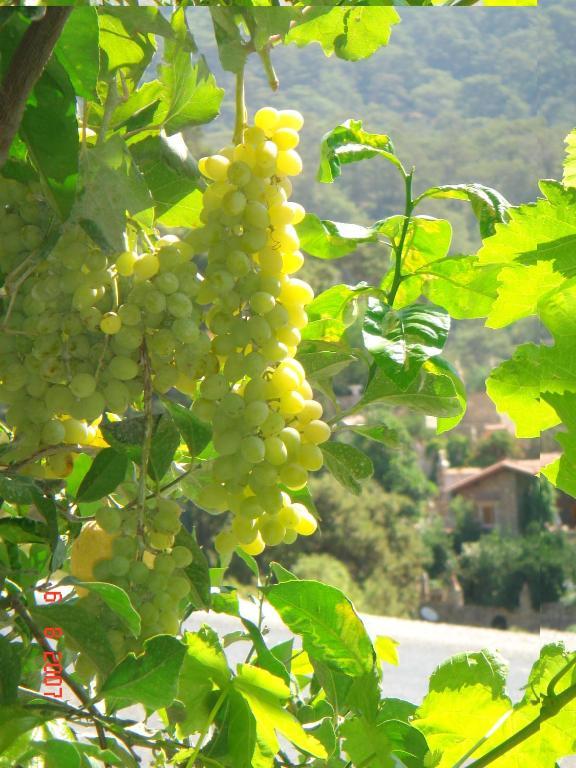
(104,476)
(81,626)
(150,678)
(117,600)
(348,464)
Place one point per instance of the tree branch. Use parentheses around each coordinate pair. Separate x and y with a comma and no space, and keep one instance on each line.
(26,66)
(77,689)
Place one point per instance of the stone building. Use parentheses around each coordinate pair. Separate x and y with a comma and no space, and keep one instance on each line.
(499,491)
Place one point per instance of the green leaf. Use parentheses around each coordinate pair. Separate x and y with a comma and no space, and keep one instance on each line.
(17,720)
(172,178)
(138,111)
(104,755)
(109,166)
(150,678)
(569,179)
(22,530)
(195,433)
(324,363)
(127,436)
(379,433)
(512,304)
(541,231)
(122,46)
(77,51)
(142,20)
(367,744)
(57,753)
(432,392)
(192,96)
(104,476)
(9,671)
(281,573)
(323,616)
(554,738)
(348,464)
(401,341)
(386,650)
(231,49)
(350,33)
(427,240)
(205,657)
(204,665)
(562,472)
(265,694)
(476,682)
(265,659)
(331,239)
(50,130)
(272,21)
(241,731)
(516,386)
(446,423)
(249,561)
(489,206)
(81,626)
(165,441)
(197,572)
(117,600)
(350,143)
(225,600)
(460,285)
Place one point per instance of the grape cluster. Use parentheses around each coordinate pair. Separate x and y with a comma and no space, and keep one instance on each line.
(75,324)
(266,425)
(154,575)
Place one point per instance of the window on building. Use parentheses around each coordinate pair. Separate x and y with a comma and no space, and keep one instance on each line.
(487,514)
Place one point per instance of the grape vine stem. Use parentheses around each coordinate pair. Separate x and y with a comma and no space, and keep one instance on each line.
(399,249)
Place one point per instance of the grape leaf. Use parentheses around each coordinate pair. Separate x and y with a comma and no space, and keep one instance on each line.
(323,616)
(350,143)
(350,33)
(265,694)
(401,341)
(347,464)
(9,671)
(81,626)
(104,476)
(150,678)
(50,131)
(331,239)
(77,51)
(489,206)
(570,161)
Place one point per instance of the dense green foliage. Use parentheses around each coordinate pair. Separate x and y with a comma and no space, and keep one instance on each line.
(184,339)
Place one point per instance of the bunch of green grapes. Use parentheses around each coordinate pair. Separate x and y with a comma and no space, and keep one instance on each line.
(159,290)
(266,424)
(24,221)
(147,564)
(75,328)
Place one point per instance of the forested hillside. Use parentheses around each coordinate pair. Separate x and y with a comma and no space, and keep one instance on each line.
(471,98)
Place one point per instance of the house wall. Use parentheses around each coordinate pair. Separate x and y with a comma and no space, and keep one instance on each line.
(500,489)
